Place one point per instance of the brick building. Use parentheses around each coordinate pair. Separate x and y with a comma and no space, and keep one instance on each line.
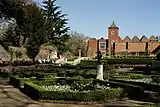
(115,45)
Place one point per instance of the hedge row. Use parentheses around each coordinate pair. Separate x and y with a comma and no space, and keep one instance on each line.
(35,92)
(116,61)
(130,57)
(128,76)
(19,82)
(87,73)
(129,90)
(146,86)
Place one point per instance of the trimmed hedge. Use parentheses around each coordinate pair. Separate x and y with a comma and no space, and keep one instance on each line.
(34,91)
(130,57)
(61,81)
(129,90)
(146,86)
(116,61)
(128,76)
(18,82)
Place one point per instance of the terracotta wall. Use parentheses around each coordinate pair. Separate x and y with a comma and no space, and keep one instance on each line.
(135,47)
(120,47)
(92,48)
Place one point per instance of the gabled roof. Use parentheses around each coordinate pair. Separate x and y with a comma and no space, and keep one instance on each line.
(156,49)
(153,46)
(127,39)
(113,25)
(152,38)
(135,39)
(144,39)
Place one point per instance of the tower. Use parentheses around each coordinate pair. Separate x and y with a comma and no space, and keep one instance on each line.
(113,32)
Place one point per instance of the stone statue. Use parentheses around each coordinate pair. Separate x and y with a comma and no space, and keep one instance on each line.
(99,57)
(99,66)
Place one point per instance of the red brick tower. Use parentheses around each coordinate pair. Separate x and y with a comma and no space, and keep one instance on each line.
(113,32)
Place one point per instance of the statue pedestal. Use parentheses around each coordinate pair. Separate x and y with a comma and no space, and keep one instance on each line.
(100,72)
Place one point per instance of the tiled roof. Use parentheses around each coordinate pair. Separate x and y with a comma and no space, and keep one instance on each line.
(127,39)
(144,39)
(152,38)
(135,39)
(153,46)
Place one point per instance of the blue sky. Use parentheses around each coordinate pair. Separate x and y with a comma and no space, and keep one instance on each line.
(92,17)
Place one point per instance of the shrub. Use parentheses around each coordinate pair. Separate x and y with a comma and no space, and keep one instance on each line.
(129,90)
(128,76)
(146,86)
(35,91)
(88,63)
(72,58)
(93,63)
(18,82)
(155,79)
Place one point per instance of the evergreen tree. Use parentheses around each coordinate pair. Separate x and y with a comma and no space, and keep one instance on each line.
(14,14)
(59,34)
(33,27)
(11,9)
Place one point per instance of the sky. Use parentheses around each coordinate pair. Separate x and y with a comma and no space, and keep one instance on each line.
(93,17)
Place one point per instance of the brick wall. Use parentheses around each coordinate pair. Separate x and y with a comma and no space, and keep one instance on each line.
(92,48)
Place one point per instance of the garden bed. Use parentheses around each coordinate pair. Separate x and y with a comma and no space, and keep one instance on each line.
(147,85)
(68,92)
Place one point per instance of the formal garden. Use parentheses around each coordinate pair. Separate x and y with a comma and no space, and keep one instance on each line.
(31,26)
(66,84)
(79,83)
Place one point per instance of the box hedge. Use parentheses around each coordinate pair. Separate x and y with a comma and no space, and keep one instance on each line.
(129,90)
(18,82)
(146,86)
(35,92)
(116,61)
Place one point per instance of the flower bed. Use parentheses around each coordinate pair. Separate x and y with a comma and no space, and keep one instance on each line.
(67,92)
(147,85)
(129,90)
(128,76)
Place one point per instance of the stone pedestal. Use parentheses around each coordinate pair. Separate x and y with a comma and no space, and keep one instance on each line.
(100,72)
(79,52)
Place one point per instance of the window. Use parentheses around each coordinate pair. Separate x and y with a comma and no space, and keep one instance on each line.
(102,45)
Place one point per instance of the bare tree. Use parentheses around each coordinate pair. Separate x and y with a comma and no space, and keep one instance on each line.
(77,41)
